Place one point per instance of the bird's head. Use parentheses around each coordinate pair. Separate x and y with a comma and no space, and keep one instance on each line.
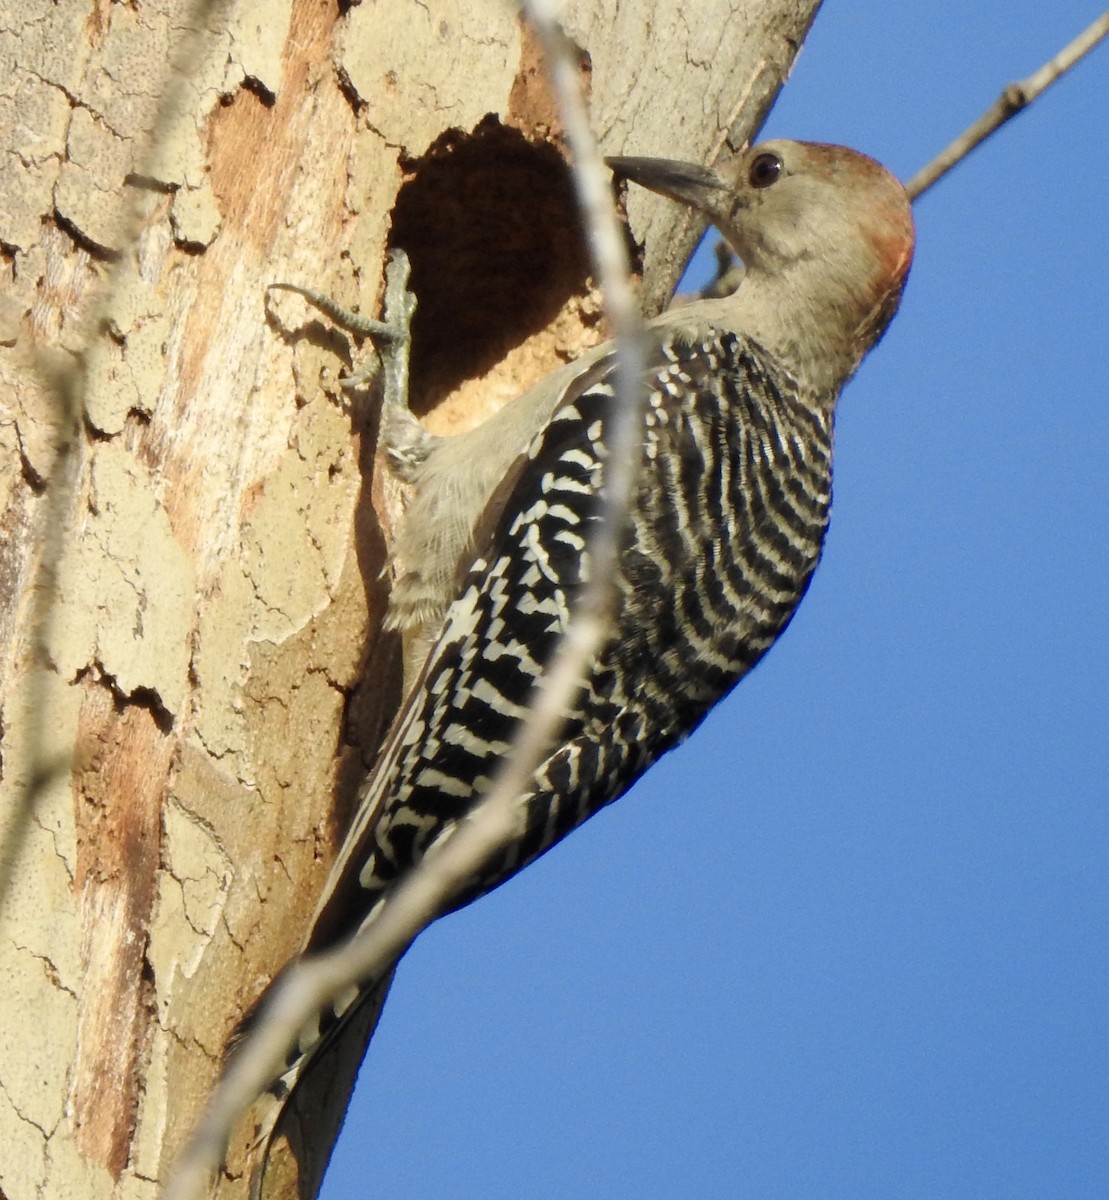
(825,234)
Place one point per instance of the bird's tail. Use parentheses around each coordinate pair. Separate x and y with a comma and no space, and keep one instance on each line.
(305,1106)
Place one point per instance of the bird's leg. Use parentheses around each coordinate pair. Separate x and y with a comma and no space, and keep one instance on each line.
(405,442)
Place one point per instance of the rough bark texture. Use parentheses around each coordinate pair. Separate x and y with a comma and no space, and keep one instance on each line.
(192,516)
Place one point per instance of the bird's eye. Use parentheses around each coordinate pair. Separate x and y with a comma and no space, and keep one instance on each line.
(765,169)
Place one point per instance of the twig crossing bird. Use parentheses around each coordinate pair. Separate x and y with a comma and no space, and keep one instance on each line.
(723,534)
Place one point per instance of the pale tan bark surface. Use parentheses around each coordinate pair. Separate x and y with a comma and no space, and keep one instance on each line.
(190,564)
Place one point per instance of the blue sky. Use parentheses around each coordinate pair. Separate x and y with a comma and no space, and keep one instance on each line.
(851,940)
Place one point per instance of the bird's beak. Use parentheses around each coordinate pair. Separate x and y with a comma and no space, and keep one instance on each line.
(685,182)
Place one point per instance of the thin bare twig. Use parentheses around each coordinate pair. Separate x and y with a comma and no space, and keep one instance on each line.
(309,985)
(1015,98)
(610,261)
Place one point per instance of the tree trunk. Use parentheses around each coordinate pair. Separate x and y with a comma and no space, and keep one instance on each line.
(193,520)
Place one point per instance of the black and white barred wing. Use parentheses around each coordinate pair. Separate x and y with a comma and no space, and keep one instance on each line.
(718,548)
(514,602)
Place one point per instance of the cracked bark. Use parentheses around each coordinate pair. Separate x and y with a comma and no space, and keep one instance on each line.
(190,554)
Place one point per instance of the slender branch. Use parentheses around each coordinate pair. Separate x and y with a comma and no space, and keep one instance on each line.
(309,985)
(610,261)
(1015,98)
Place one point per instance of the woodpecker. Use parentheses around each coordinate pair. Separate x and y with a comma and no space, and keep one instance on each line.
(723,534)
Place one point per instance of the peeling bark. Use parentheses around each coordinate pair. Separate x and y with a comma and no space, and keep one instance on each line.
(192,521)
